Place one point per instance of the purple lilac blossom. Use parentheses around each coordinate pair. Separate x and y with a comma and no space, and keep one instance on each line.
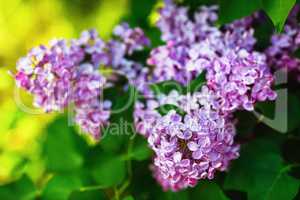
(284,45)
(195,146)
(239,74)
(133,39)
(191,147)
(58,76)
(126,41)
(48,73)
(69,73)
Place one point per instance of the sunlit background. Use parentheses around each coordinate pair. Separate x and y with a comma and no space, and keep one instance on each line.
(23,25)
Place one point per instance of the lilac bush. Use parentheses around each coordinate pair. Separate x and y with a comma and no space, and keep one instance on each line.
(196,138)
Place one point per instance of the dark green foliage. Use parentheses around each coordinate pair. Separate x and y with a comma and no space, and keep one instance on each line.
(140,150)
(196,84)
(231,10)
(208,190)
(139,12)
(138,16)
(245,125)
(263,31)
(21,189)
(109,170)
(262,173)
(166,87)
(292,118)
(88,195)
(62,150)
(278,11)
(297,53)
(59,187)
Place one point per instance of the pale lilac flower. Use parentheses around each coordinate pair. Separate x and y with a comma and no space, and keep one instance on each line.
(68,73)
(133,39)
(64,74)
(48,73)
(239,75)
(191,147)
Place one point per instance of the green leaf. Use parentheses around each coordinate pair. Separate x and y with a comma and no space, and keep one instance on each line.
(284,187)
(209,191)
(60,187)
(297,53)
(182,195)
(264,29)
(293,112)
(87,195)
(119,129)
(260,171)
(109,170)
(278,11)
(128,198)
(166,108)
(267,108)
(139,11)
(165,87)
(140,150)
(246,123)
(22,189)
(231,10)
(112,137)
(61,151)
(197,83)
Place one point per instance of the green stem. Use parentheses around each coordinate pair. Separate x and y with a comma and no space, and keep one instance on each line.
(129,164)
(95,187)
(124,186)
(129,170)
(117,194)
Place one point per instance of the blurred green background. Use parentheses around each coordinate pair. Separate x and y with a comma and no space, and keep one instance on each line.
(23,25)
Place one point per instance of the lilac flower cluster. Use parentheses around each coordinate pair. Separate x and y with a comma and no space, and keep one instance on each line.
(46,72)
(58,76)
(239,74)
(67,73)
(190,147)
(284,45)
(194,146)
